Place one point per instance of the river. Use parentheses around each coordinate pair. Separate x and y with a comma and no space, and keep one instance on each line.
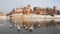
(4,29)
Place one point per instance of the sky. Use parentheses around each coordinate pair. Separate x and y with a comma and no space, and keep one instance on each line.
(7,5)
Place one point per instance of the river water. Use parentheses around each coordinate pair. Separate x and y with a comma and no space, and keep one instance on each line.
(51,29)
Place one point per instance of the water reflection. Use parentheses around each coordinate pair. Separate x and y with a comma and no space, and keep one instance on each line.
(33,26)
(30,24)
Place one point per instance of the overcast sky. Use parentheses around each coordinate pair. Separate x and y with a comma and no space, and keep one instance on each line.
(7,5)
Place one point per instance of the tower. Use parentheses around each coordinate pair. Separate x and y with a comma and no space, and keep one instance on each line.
(55,9)
(28,6)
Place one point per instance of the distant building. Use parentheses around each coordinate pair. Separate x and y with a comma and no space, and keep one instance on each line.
(1,14)
(36,10)
(19,10)
(27,10)
(55,9)
(58,12)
